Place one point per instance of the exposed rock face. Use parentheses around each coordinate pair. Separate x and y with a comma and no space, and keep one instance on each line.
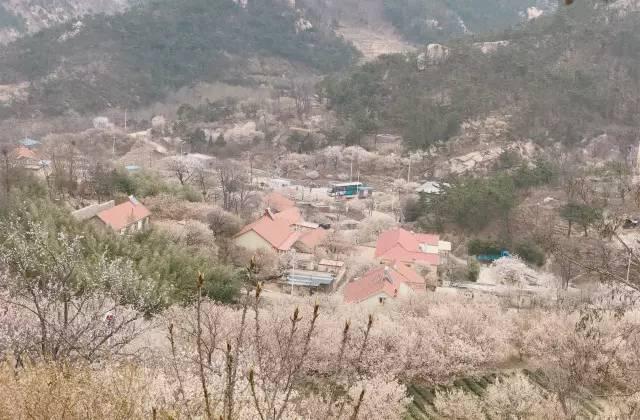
(625,6)
(303,24)
(102,123)
(534,13)
(490,47)
(29,16)
(436,54)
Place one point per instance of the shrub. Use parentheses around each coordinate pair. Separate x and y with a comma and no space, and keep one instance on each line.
(473,270)
(480,247)
(531,253)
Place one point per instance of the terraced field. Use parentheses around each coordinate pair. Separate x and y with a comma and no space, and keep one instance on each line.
(422,407)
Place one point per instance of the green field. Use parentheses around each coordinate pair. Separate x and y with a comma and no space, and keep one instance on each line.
(422,407)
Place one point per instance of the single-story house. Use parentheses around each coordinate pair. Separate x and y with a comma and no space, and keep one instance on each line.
(128,217)
(89,212)
(277,202)
(331,266)
(411,248)
(27,158)
(281,232)
(384,283)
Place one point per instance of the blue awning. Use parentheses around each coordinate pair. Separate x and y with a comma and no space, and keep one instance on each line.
(310,279)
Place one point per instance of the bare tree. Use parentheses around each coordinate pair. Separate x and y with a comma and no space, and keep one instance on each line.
(184,169)
(302,92)
(236,191)
(6,169)
(277,366)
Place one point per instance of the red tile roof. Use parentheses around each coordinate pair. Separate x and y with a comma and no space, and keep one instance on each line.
(22,152)
(312,238)
(124,215)
(277,230)
(278,202)
(274,231)
(291,215)
(385,280)
(402,245)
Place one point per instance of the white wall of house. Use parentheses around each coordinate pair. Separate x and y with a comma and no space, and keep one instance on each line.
(374,300)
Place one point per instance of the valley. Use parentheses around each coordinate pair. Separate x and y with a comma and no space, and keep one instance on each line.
(319,209)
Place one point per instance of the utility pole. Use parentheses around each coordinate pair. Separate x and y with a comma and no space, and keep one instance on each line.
(351,172)
(125,120)
(113,147)
(293,270)
(409,170)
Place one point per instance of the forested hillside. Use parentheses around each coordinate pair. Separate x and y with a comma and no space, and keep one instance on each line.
(20,17)
(427,21)
(560,78)
(421,21)
(136,57)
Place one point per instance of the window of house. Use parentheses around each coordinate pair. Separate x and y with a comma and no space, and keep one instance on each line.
(381,300)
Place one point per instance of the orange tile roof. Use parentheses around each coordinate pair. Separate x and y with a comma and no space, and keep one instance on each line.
(402,245)
(124,215)
(291,215)
(22,152)
(277,230)
(385,280)
(313,238)
(278,202)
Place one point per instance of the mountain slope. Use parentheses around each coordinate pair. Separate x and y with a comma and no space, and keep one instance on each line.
(561,78)
(20,17)
(137,57)
(436,20)
(423,21)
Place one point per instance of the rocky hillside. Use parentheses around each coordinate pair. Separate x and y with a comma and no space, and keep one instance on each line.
(421,21)
(562,78)
(139,56)
(19,17)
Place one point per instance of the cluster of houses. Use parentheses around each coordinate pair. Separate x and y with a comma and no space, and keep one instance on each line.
(408,261)
(409,266)
(281,229)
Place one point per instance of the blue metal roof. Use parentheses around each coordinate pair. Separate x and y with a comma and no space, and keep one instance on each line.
(27,142)
(313,279)
(132,168)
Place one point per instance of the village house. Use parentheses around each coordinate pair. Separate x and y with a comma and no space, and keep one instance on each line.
(128,217)
(26,158)
(277,202)
(331,266)
(385,283)
(281,232)
(412,249)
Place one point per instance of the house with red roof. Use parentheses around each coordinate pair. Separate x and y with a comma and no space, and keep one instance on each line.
(26,158)
(277,202)
(412,249)
(128,217)
(281,232)
(385,283)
